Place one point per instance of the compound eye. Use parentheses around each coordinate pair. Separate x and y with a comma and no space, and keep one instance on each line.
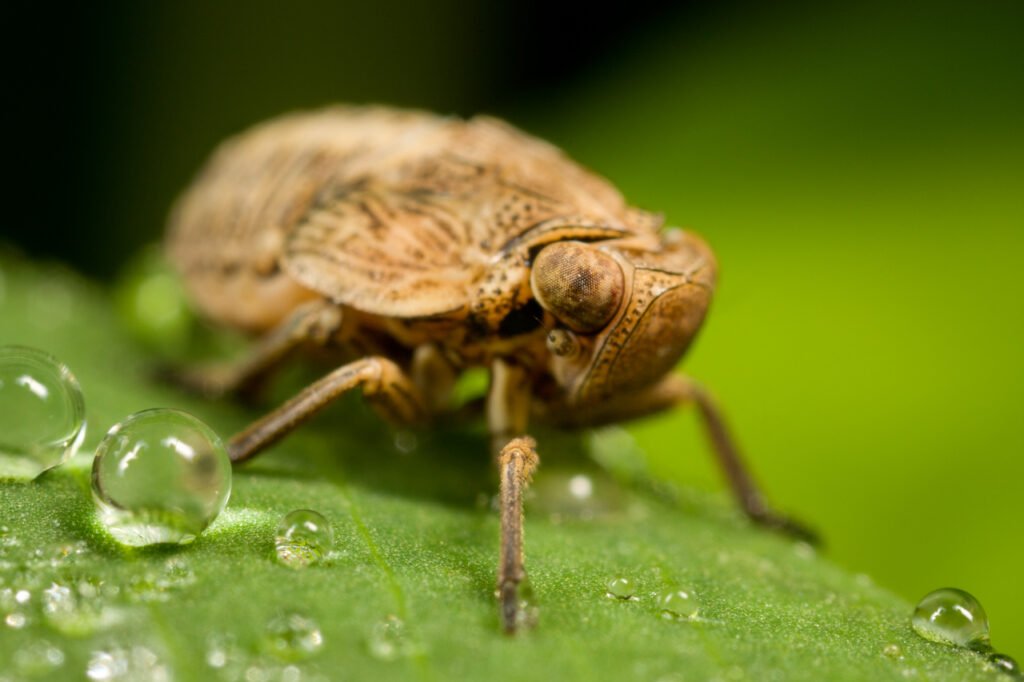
(579,284)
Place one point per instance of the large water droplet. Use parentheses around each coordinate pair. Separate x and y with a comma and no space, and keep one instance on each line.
(42,412)
(952,616)
(678,605)
(160,476)
(303,537)
(620,587)
(292,637)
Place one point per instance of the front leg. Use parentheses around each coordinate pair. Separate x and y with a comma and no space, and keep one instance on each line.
(676,390)
(508,405)
(516,464)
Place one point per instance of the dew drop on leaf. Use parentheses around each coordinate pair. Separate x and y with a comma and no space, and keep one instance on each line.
(620,587)
(678,605)
(292,637)
(1002,663)
(303,537)
(389,640)
(160,476)
(892,651)
(951,616)
(42,412)
(38,658)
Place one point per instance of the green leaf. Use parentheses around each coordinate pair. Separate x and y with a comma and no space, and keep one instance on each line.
(407,591)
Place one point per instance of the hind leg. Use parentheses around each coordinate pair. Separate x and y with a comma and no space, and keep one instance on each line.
(317,322)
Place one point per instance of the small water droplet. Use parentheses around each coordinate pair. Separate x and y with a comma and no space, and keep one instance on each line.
(620,587)
(406,442)
(137,663)
(77,611)
(952,616)
(892,651)
(42,412)
(37,657)
(152,303)
(292,637)
(1002,663)
(678,605)
(224,656)
(16,620)
(389,640)
(528,613)
(160,476)
(303,537)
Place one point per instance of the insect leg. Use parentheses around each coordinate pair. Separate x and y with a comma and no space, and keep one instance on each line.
(675,390)
(744,488)
(516,463)
(508,406)
(315,322)
(383,383)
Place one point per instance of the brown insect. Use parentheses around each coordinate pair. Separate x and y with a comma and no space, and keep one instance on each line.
(411,247)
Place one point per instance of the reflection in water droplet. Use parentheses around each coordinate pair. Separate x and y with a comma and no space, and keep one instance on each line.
(952,616)
(292,637)
(42,412)
(678,605)
(160,476)
(620,587)
(303,537)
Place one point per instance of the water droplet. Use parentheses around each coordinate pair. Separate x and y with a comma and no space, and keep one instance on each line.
(528,613)
(389,640)
(952,616)
(406,442)
(37,657)
(152,303)
(42,412)
(292,637)
(77,611)
(892,651)
(138,663)
(160,476)
(224,656)
(678,605)
(620,587)
(1002,663)
(303,537)
(16,620)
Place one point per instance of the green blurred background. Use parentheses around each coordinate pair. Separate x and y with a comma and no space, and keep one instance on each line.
(858,168)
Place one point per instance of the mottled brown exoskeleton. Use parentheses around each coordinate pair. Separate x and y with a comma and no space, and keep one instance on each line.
(413,246)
